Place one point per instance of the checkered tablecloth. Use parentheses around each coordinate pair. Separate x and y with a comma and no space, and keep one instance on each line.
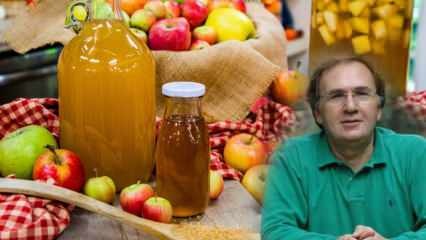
(415,105)
(268,120)
(29,218)
(23,217)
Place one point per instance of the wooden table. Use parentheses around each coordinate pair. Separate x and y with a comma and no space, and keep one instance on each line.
(235,208)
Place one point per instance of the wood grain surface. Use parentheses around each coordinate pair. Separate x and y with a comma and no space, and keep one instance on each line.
(234,216)
(235,208)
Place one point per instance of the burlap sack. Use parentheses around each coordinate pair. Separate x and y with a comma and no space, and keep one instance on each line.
(235,73)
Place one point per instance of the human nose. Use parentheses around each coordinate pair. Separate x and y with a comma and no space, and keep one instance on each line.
(350,102)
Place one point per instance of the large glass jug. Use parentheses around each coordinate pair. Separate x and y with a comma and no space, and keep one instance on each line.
(107,100)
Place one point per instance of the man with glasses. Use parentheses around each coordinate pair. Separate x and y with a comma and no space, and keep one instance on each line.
(353,180)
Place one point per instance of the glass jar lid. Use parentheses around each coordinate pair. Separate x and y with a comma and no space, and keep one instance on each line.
(183,89)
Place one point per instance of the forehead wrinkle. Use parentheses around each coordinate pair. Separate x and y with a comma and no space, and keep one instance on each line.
(358,88)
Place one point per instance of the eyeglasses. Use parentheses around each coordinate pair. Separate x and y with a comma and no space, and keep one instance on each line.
(340,97)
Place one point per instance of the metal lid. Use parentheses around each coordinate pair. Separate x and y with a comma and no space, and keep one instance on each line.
(183,89)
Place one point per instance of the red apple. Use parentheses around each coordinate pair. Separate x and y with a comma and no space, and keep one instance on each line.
(289,87)
(133,197)
(172,9)
(205,33)
(216,184)
(254,181)
(170,34)
(237,4)
(60,165)
(157,7)
(199,44)
(244,151)
(195,11)
(100,188)
(157,209)
(141,35)
(142,19)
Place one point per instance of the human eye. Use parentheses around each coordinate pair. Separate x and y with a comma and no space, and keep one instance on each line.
(337,96)
(362,95)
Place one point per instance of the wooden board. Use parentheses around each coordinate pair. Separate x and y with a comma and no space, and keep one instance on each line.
(235,208)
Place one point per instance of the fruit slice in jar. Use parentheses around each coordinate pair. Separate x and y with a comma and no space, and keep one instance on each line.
(357,7)
(379,29)
(327,35)
(361,44)
(361,25)
(385,11)
(331,20)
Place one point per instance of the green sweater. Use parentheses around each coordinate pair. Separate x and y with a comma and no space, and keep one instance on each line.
(312,195)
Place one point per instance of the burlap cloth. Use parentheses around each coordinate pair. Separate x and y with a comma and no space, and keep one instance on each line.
(235,73)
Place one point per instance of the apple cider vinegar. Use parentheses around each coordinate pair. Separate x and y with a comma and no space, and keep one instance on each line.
(107,102)
(182,154)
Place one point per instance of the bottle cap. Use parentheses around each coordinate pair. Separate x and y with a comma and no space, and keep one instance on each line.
(183,89)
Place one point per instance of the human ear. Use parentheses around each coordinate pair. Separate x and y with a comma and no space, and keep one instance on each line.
(317,115)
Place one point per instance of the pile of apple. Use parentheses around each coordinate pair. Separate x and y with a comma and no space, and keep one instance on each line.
(31,152)
(248,154)
(189,24)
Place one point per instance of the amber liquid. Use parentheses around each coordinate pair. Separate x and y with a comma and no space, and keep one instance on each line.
(182,157)
(107,102)
(388,55)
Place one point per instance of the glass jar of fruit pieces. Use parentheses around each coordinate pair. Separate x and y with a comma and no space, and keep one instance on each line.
(377,30)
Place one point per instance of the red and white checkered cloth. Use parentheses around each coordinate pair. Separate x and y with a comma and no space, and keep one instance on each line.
(23,217)
(269,121)
(415,105)
(23,112)
(30,218)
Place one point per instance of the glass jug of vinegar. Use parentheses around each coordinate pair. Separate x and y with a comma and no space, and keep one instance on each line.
(107,100)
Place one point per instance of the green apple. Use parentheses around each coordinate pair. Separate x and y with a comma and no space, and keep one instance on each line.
(100,188)
(102,10)
(20,149)
(254,181)
(230,24)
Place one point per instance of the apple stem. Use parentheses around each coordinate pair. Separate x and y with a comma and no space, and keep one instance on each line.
(52,149)
(96,172)
(250,139)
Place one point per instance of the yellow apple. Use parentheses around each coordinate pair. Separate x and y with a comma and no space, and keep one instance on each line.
(216,184)
(244,151)
(100,188)
(254,181)
(230,24)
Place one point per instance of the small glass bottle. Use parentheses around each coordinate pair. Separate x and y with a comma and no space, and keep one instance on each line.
(182,152)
